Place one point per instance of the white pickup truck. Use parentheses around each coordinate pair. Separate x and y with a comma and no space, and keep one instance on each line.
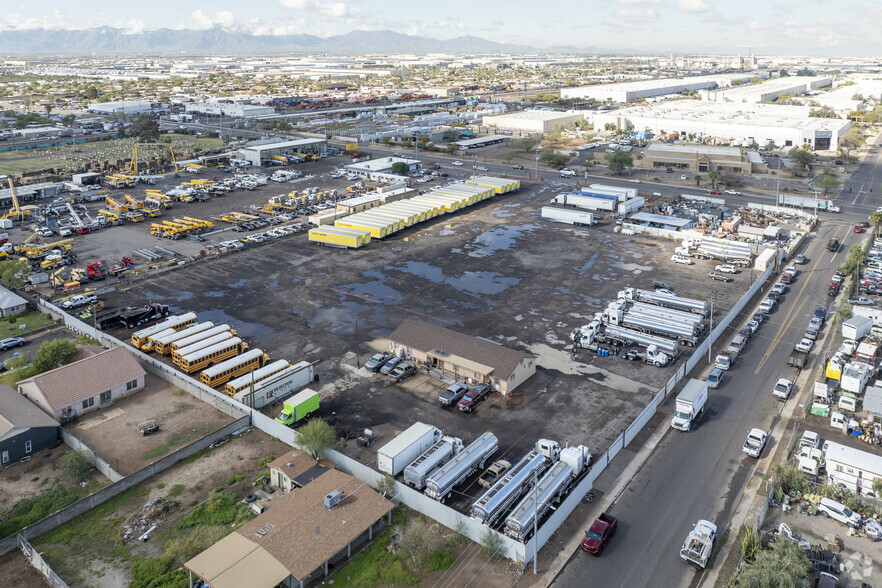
(699,544)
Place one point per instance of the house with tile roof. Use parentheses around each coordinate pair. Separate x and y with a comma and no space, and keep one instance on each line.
(88,384)
(24,428)
(474,360)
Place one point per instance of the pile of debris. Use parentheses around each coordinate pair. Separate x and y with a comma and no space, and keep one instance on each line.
(145,521)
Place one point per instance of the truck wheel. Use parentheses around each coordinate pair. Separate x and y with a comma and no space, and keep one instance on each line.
(825,514)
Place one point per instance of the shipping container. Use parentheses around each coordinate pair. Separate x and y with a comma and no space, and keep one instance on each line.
(340,237)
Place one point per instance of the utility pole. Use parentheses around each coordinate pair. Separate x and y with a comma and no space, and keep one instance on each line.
(537,159)
(710,334)
(357,357)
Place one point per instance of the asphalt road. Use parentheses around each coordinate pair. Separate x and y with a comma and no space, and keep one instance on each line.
(700,474)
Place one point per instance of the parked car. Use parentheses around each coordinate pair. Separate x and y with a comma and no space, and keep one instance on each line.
(805,345)
(494,472)
(829,508)
(599,534)
(755,442)
(12,342)
(714,192)
(800,259)
(782,389)
(727,269)
(658,284)
(481,168)
(861,301)
(719,276)
(821,312)
(858,228)
(752,325)
(390,365)
(517,166)
(474,397)
(681,259)
(402,372)
(732,192)
(760,317)
(457,163)
(453,394)
(78,300)
(376,362)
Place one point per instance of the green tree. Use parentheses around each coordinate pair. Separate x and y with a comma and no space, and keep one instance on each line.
(53,354)
(828,180)
(386,486)
(803,158)
(552,158)
(697,179)
(74,464)
(527,143)
(750,544)
(782,566)
(399,168)
(451,135)
(283,125)
(876,219)
(385,140)
(619,161)
(14,273)
(713,177)
(423,141)
(414,540)
(316,437)
(68,120)
(146,129)
(823,112)
(491,544)
(856,256)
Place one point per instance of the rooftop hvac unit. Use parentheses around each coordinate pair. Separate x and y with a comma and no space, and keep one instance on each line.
(333,499)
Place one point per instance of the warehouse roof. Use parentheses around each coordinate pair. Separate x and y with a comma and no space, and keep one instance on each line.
(88,377)
(482,140)
(428,337)
(283,145)
(17,412)
(660,219)
(295,536)
(692,149)
(542,115)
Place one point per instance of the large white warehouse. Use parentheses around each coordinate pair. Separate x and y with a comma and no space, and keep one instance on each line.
(629,91)
(532,121)
(733,123)
(768,91)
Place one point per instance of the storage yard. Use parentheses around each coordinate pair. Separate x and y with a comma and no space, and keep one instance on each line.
(495,270)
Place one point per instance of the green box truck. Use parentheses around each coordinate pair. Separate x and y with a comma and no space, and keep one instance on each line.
(299,406)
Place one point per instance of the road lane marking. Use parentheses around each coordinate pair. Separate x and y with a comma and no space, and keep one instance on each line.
(858,195)
(788,320)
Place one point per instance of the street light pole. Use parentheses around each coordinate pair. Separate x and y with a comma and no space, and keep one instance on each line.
(537,160)
(535,522)
(710,335)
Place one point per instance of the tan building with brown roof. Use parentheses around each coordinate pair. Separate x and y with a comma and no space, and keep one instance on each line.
(84,385)
(297,537)
(465,358)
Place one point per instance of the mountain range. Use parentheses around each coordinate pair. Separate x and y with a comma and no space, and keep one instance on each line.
(219,40)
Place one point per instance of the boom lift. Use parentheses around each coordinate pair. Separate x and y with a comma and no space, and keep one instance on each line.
(16,211)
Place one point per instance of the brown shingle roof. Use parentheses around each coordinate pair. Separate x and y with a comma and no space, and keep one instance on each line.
(16,411)
(88,377)
(426,337)
(301,534)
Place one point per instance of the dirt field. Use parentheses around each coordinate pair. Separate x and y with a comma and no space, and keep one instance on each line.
(496,270)
(113,432)
(93,557)
(16,571)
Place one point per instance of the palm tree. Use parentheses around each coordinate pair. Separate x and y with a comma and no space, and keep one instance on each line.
(697,180)
(713,176)
(876,218)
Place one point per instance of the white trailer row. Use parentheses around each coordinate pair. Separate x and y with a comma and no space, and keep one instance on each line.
(585,201)
(568,216)
(443,480)
(548,492)
(501,495)
(398,453)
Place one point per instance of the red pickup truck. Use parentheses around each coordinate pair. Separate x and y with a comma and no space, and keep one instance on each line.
(600,532)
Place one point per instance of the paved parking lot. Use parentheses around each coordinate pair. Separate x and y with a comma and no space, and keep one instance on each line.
(496,270)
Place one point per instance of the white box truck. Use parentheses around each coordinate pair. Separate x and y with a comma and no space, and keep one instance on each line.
(690,404)
(398,453)
(857,327)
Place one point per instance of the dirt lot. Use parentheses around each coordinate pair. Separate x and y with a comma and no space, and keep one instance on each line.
(496,270)
(92,554)
(113,432)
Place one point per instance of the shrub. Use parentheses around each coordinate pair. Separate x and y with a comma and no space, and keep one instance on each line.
(441,559)
(74,464)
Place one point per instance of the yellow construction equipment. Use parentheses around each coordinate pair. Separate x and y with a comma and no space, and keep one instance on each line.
(157,199)
(120,181)
(116,205)
(202,224)
(134,203)
(152,212)
(110,215)
(133,168)
(135,216)
(36,251)
(279,158)
(16,211)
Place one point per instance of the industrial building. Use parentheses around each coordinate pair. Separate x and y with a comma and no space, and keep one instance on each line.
(463,357)
(30,192)
(767,91)
(227,109)
(629,91)
(280,151)
(696,158)
(368,169)
(660,221)
(532,121)
(125,107)
(298,537)
(739,124)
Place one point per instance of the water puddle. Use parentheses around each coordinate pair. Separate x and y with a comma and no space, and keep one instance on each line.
(497,239)
(631,267)
(374,290)
(244,328)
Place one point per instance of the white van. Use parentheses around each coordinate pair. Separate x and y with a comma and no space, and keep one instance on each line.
(832,509)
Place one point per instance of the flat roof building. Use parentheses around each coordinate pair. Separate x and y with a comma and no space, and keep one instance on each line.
(671,223)
(481,141)
(227,109)
(125,107)
(532,121)
(462,356)
(629,91)
(368,169)
(767,91)
(696,158)
(729,122)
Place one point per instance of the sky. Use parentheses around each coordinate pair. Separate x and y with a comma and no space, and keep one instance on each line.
(771,27)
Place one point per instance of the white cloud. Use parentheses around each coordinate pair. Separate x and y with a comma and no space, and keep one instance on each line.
(223,19)
(693,5)
(290,26)
(333,9)
(133,26)
(636,13)
(640,1)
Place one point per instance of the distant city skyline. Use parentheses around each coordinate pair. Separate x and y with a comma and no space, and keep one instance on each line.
(771,27)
